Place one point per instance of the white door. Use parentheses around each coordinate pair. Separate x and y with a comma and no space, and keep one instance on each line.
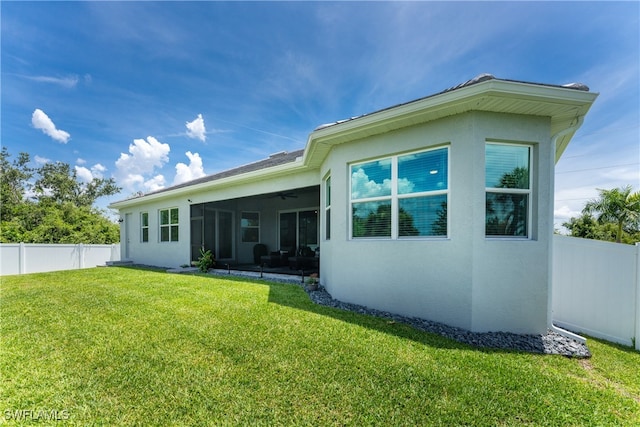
(127,235)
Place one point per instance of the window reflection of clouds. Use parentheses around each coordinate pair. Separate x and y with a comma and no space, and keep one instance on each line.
(371,180)
(417,173)
(408,182)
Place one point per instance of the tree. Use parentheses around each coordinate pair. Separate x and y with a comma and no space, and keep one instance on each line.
(55,208)
(14,182)
(587,227)
(439,226)
(378,223)
(405,224)
(619,206)
(59,183)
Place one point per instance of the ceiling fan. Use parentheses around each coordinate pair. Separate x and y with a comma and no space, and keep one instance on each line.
(284,195)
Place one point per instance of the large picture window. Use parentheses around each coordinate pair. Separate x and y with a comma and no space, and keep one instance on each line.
(250,226)
(169,225)
(508,190)
(144,227)
(401,196)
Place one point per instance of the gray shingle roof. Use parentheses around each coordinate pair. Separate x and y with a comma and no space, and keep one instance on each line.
(276,159)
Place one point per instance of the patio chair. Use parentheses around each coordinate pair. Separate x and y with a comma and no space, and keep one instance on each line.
(259,250)
(276,258)
(305,259)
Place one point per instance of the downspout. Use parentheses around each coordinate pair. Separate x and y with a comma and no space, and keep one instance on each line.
(551,326)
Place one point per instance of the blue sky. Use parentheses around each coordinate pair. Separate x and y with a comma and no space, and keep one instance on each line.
(154,93)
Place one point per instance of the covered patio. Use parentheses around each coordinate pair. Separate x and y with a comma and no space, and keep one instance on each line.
(271,232)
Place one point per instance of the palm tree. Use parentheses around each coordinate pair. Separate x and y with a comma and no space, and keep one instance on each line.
(619,206)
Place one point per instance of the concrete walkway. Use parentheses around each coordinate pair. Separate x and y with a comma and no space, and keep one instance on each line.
(284,278)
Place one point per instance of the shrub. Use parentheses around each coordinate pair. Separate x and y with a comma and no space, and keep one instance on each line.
(206,260)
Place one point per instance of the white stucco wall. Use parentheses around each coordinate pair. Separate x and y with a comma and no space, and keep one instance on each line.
(154,252)
(465,280)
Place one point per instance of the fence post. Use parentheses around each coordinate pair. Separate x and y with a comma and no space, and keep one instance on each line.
(21,260)
(114,253)
(81,255)
(637,326)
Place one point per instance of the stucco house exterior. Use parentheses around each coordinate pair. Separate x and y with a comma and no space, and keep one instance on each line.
(440,208)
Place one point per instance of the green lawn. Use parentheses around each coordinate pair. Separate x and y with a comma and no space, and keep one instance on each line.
(122,346)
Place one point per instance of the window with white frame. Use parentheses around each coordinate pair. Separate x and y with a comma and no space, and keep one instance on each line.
(169,225)
(508,190)
(250,226)
(327,208)
(144,227)
(403,196)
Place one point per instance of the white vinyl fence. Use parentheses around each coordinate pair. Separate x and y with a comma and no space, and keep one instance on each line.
(596,288)
(23,258)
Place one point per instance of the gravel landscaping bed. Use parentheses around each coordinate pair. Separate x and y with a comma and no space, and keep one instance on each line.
(549,343)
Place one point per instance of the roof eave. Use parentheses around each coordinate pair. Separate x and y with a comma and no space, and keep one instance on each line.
(562,105)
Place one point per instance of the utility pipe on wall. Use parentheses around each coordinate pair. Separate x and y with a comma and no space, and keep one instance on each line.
(554,328)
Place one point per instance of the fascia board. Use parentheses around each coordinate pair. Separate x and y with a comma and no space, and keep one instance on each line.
(555,94)
(454,98)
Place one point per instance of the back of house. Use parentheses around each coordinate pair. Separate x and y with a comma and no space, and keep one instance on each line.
(439,208)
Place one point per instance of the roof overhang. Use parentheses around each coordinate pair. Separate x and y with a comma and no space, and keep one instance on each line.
(565,107)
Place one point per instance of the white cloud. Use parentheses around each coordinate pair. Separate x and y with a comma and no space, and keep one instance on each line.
(196,129)
(155,183)
(131,181)
(565,213)
(143,159)
(68,82)
(41,121)
(189,172)
(80,161)
(98,170)
(87,175)
(629,174)
(363,187)
(41,160)
(84,174)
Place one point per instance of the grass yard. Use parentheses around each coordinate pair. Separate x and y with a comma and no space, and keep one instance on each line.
(122,346)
